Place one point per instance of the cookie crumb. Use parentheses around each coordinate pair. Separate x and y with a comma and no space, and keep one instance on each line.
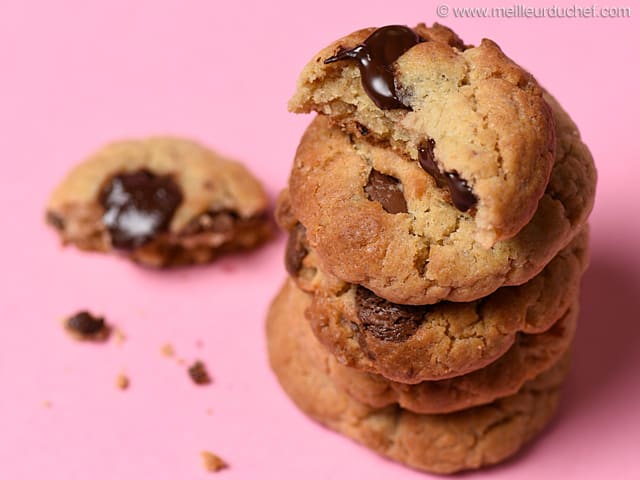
(198,373)
(209,411)
(167,350)
(120,336)
(122,382)
(87,327)
(47,404)
(212,462)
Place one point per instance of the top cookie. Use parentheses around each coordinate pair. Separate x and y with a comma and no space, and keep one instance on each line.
(470,116)
(162,201)
(374,219)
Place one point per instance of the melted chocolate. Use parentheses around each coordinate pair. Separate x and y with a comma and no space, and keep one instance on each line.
(461,193)
(387,191)
(385,320)
(297,249)
(138,206)
(375,57)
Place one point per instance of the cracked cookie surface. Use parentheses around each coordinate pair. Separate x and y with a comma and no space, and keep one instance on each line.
(444,443)
(412,344)
(161,201)
(481,118)
(429,253)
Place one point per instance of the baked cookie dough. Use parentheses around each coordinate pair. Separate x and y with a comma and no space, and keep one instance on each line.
(444,443)
(351,196)
(411,344)
(161,201)
(467,116)
(528,357)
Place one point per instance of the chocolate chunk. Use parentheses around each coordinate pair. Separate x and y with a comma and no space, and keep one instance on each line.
(385,320)
(387,191)
(198,373)
(462,196)
(84,326)
(297,249)
(427,158)
(375,57)
(138,206)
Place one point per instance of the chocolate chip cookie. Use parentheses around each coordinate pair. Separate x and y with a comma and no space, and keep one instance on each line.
(375,219)
(160,201)
(529,356)
(411,344)
(468,117)
(444,443)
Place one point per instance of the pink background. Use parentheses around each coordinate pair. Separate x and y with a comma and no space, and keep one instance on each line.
(75,75)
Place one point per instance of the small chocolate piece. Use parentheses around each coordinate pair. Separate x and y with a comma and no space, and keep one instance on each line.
(364,131)
(198,373)
(297,249)
(461,194)
(427,158)
(385,320)
(375,57)
(84,326)
(138,206)
(386,190)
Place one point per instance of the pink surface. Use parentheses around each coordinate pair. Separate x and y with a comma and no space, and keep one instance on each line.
(75,75)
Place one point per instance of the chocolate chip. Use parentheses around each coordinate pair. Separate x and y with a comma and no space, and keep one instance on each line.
(56,220)
(385,320)
(297,249)
(462,196)
(375,57)
(84,326)
(461,193)
(364,131)
(386,190)
(198,373)
(138,206)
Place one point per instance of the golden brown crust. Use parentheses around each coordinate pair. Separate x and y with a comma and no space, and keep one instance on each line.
(450,339)
(444,443)
(428,254)
(529,356)
(486,114)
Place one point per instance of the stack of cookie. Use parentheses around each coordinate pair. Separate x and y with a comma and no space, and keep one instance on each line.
(437,216)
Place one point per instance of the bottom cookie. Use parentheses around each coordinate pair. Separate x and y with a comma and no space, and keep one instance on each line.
(444,443)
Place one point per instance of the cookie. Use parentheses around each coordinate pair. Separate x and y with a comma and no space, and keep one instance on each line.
(468,117)
(162,202)
(411,344)
(529,356)
(444,443)
(350,196)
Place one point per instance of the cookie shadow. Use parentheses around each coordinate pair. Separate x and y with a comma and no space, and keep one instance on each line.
(605,352)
